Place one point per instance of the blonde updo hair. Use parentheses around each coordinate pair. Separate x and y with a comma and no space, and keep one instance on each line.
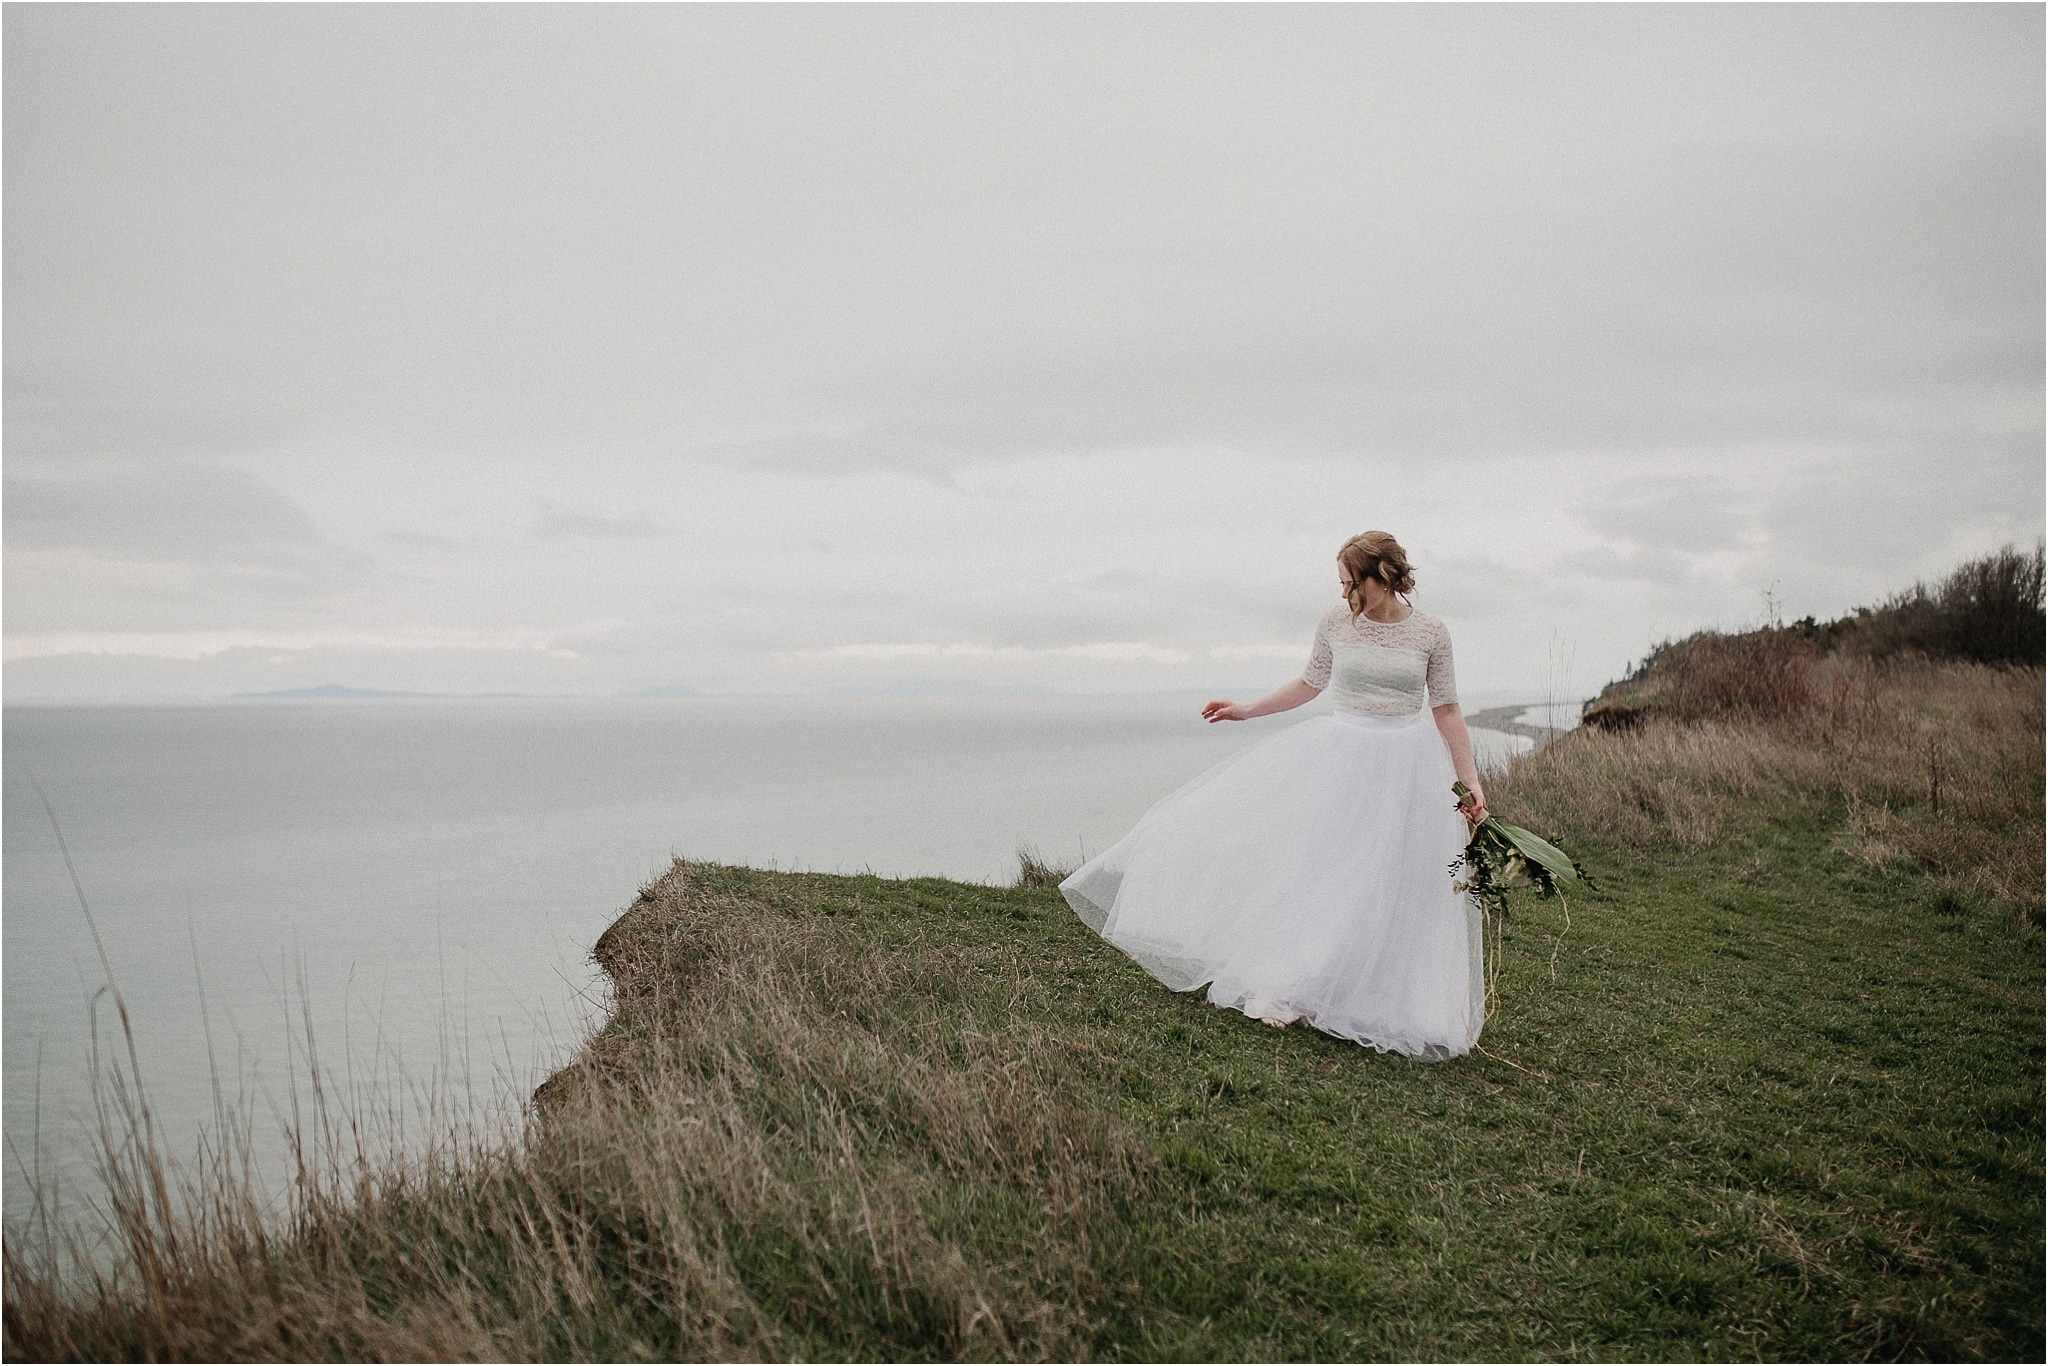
(1374,555)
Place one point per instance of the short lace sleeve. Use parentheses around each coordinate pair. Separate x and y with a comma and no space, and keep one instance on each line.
(1317,674)
(1441,678)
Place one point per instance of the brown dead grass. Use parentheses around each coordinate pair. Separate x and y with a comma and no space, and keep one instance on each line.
(1935,766)
(1034,870)
(785,1144)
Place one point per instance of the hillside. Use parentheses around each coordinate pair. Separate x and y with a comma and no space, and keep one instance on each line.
(1777,1093)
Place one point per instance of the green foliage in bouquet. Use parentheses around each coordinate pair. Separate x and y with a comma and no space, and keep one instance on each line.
(1499,857)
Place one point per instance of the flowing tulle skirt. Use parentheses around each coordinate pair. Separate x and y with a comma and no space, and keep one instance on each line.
(1308,878)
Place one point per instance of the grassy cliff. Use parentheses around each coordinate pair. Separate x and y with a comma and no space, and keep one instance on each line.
(1778,1092)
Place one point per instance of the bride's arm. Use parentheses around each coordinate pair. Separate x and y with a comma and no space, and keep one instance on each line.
(1286,697)
(1450,723)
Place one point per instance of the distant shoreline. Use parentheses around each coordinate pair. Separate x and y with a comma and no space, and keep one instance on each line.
(1503,719)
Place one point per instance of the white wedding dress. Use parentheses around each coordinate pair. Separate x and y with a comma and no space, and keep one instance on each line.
(1310,877)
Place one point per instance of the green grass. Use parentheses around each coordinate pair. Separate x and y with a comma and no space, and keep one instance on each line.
(1771,1104)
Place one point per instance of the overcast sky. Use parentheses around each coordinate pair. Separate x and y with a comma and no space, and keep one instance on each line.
(784,348)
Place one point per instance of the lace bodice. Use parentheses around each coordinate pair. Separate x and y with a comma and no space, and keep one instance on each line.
(1381,669)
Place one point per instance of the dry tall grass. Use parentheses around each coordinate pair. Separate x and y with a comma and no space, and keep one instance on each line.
(1988,611)
(785,1144)
(1934,765)
(1034,870)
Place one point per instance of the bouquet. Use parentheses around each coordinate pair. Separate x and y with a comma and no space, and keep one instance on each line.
(1499,856)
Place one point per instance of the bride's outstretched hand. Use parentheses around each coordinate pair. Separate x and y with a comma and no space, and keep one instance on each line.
(1222,711)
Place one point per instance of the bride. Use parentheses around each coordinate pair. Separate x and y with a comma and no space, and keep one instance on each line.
(1310,877)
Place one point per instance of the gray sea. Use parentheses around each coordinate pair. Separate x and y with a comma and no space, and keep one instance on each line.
(415,885)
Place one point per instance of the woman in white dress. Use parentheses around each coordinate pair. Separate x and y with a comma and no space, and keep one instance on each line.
(1309,878)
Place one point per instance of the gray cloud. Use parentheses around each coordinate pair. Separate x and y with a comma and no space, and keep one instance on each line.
(212,527)
(183,513)
(757,262)
(1454,232)
(1698,512)
(559,523)
(421,540)
(53,414)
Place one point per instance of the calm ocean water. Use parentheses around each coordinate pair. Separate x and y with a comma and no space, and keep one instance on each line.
(419,882)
